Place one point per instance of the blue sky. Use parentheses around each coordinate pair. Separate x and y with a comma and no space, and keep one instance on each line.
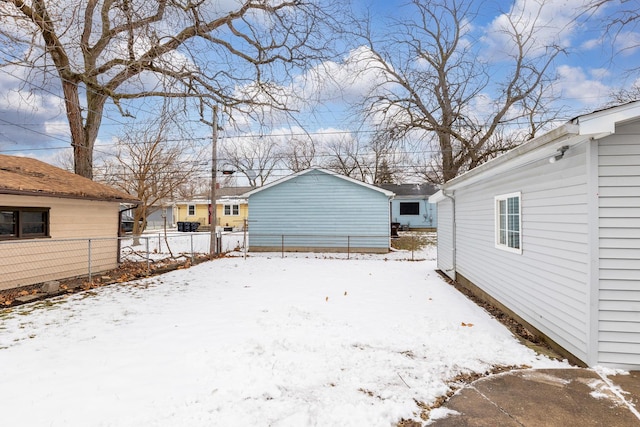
(33,123)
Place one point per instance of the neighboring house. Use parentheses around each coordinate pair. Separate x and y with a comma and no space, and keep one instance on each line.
(550,231)
(159,215)
(411,208)
(231,209)
(40,205)
(319,210)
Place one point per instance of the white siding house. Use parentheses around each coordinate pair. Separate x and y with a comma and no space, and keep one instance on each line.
(550,231)
(319,210)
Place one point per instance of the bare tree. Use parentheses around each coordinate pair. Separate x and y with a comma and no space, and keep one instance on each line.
(622,96)
(346,156)
(121,50)
(255,158)
(149,167)
(375,161)
(619,22)
(435,84)
(299,153)
(197,187)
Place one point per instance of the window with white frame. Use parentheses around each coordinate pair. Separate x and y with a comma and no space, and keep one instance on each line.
(232,210)
(191,210)
(508,222)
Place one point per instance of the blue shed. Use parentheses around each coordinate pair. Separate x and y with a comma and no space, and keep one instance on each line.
(411,208)
(321,211)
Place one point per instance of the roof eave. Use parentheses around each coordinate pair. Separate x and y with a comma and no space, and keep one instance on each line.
(563,132)
(68,196)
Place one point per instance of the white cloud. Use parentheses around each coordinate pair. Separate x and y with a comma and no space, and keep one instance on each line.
(57,128)
(550,22)
(628,43)
(576,85)
(599,73)
(591,44)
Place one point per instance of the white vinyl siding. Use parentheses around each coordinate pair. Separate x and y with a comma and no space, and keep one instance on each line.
(619,246)
(446,254)
(546,284)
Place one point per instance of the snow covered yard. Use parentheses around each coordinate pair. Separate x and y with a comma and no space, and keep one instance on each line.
(308,340)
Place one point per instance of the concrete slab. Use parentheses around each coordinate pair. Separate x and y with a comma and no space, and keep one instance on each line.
(563,397)
(630,384)
(29,298)
(474,410)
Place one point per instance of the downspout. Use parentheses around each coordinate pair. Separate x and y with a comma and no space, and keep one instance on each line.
(120,229)
(453,232)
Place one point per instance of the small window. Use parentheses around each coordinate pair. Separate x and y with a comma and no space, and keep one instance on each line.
(232,210)
(23,223)
(409,208)
(191,210)
(508,222)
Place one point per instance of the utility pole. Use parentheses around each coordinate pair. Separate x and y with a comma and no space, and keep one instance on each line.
(213,244)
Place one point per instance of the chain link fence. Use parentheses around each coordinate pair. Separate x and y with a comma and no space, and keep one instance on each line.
(27,263)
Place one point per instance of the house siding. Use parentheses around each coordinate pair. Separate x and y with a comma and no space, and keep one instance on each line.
(235,221)
(546,285)
(319,211)
(619,249)
(426,219)
(53,258)
(202,214)
(446,254)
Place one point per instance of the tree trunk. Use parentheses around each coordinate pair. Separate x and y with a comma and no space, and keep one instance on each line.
(82,148)
(449,170)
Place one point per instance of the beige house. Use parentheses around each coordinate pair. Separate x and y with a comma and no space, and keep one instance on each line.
(47,216)
(232,209)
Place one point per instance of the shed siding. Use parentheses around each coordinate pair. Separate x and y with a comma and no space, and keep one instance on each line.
(546,285)
(51,259)
(427,217)
(315,211)
(445,238)
(619,246)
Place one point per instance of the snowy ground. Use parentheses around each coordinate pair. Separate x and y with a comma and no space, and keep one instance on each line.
(308,340)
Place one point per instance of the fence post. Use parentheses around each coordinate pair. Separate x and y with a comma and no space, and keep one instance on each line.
(148,254)
(348,247)
(89,260)
(282,245)
(192,257)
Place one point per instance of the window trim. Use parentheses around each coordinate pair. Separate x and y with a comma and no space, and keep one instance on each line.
(496,203)
(19,233)
(189,207)
(231,207)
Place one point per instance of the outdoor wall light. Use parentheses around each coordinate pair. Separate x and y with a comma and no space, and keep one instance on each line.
(560,154)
